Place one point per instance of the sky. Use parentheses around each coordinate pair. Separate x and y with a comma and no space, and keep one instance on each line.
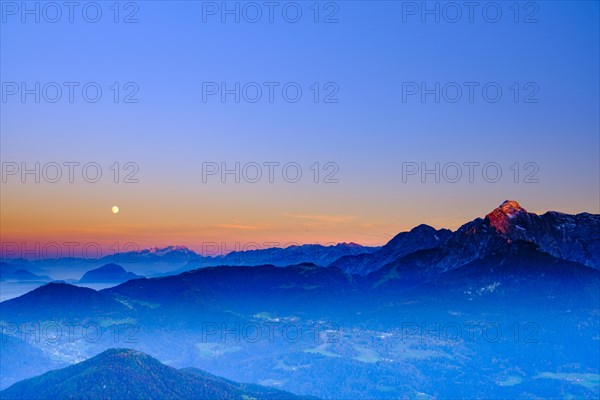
(356,100)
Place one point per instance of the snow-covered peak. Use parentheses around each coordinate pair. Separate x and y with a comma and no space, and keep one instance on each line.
(160,251)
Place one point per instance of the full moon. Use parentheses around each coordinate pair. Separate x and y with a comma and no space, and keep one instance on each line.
(115,209)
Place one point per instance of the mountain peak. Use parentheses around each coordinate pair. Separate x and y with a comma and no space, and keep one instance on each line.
(501,216)
(112,267)
(108,273)
(126,373)
(161,251)
(122,353)
(423,228)
(510,207)
(349,244)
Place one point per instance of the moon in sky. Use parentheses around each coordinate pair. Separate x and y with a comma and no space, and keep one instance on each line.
(115,209)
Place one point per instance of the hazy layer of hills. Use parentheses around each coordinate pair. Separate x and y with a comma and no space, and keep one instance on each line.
(9,272)
(176,259)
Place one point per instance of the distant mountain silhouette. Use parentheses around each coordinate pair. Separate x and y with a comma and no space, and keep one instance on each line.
(421,237)
(281,257)
(109,273)
(22,275)
(172,260)
(123,374)
(20,264)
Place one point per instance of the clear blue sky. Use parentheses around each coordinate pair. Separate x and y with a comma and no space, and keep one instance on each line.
(368,133)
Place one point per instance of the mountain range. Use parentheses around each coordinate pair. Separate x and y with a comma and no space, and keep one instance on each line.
(281,257)
(171,260)
(573,238)
(509,250)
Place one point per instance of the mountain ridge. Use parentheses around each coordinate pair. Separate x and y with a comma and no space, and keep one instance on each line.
(130,374)
(573,238)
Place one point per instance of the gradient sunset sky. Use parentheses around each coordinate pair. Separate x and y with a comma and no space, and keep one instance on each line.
(368,133)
